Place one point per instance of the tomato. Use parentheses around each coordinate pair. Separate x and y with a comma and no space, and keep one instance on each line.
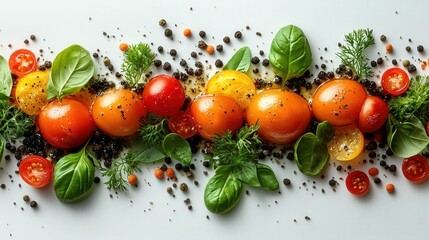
(119,112)
(163,95)
(338,101)
(216,115)
(36,171)
(22,62)
(65,124)
(233,84)
(357,182)
(373,114)
(415,168)
(30,92)
(347,143)
(183,123)
(282,116)
(395,81)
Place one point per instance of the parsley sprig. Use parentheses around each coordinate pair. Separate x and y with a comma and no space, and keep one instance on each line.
(137,60)
(14,123)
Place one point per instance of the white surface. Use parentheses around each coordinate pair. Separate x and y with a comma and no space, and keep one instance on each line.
(148,212)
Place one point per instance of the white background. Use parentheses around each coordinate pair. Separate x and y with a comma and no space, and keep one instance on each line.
(148,212)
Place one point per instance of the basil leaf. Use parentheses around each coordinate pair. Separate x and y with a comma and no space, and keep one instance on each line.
(5,79)
(74,177)
(71,70)
(266,177)
(247,173)
(325,132)
(149,155)
(311,155)
(408,138)
(223,191)
(176,146)
(240,61)
(290,53)
(1,148)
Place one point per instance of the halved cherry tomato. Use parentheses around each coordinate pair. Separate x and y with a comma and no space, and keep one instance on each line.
(416,168)
(357,182)
(183,123)
(22,62)
(395,81)
(347,143)
(36,171)
(373,114)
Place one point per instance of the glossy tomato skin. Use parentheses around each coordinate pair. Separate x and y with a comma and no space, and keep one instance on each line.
(395,81)
(282,116)
(416,168)
(22,62)
(163,95)
(357,182)
(119,112)
(373,114)
(338,101)
(36,171)
(183,123)
(216,115)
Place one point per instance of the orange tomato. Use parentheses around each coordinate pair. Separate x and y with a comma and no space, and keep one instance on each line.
(338,101)
(347,143)
(282,116)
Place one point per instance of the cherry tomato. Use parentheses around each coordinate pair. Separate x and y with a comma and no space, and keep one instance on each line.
(36,171)
(216,115)
(395,81)
(30,92)
(22,62)
(163,95)
(357,182)
(373,114)
(183,123)
(416,168)
(119,112)
(65,124)
(338,101)
(347,143)
(282,116)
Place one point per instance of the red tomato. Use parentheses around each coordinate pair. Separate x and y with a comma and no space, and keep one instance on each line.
(338,101)
(66,124)
(216,115)
(163,95)
(357,182)
(183,123)
(373,114)
(119,112)
(36,171)
(395,81)
(415,168)
(22,62)
(282,116)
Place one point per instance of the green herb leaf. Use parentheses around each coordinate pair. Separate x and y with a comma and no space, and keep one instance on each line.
(176,147)
(223,191)
(5,79)
(1,148)
(247,173)
(325,131)
(290,53)
(14,123)
(240,61)
(311,155)
(266,177)
(71,70)
(406,139)
(137,60)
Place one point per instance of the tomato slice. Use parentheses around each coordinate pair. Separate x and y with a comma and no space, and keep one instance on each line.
(357,182)
(22,62)
(347,143)
(183,123)
(415,168)
(36,171)
(395,81)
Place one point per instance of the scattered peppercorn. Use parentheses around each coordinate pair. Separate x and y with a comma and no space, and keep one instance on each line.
(373,171)
(132,179)
(390,188)
(157,63)
(405,63)
(420,48)
(219,48)
(377,180)
(202,34)
(173,52)
(238,34)
(408,48)
(170,172)
(218,63)
(183,187)
(159,174)
(254,60)
(33,37)
(332,183)
(160,49)
(265,62)
(168,32)
(33,204)
(379,61)
(394,62)
(286,181)
(167,66)
(389,48)
(187,32)
(226,40)
(210,49)
(162,22)
(383,38)
(26,198)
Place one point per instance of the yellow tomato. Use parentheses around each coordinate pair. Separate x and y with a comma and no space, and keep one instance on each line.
(30,92)
(347,143)
(233,84)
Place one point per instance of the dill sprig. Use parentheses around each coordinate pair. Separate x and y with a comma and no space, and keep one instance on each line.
(137,60)
(353,52)
(153,130)
(14,123)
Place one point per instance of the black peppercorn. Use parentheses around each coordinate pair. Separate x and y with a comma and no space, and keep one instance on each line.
(202,34)
(286,181)
(157,63)
(238,34)
(377,180)
(408,48)
(254,60)
(168,32)
(167,66)
(219,48)
(420,48)
(219,63)
(265,62)
(226,40)
(160,49)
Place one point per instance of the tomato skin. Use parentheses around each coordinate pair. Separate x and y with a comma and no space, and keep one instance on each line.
(22,62)
(373,114)
(282,116)
(338,101)
(30,92)
(66,124)
(395,81)
(36,171)
(357,182)
(416,168)
(183,123)
(216,115)
(347,143)
(119,112)
(163,95)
